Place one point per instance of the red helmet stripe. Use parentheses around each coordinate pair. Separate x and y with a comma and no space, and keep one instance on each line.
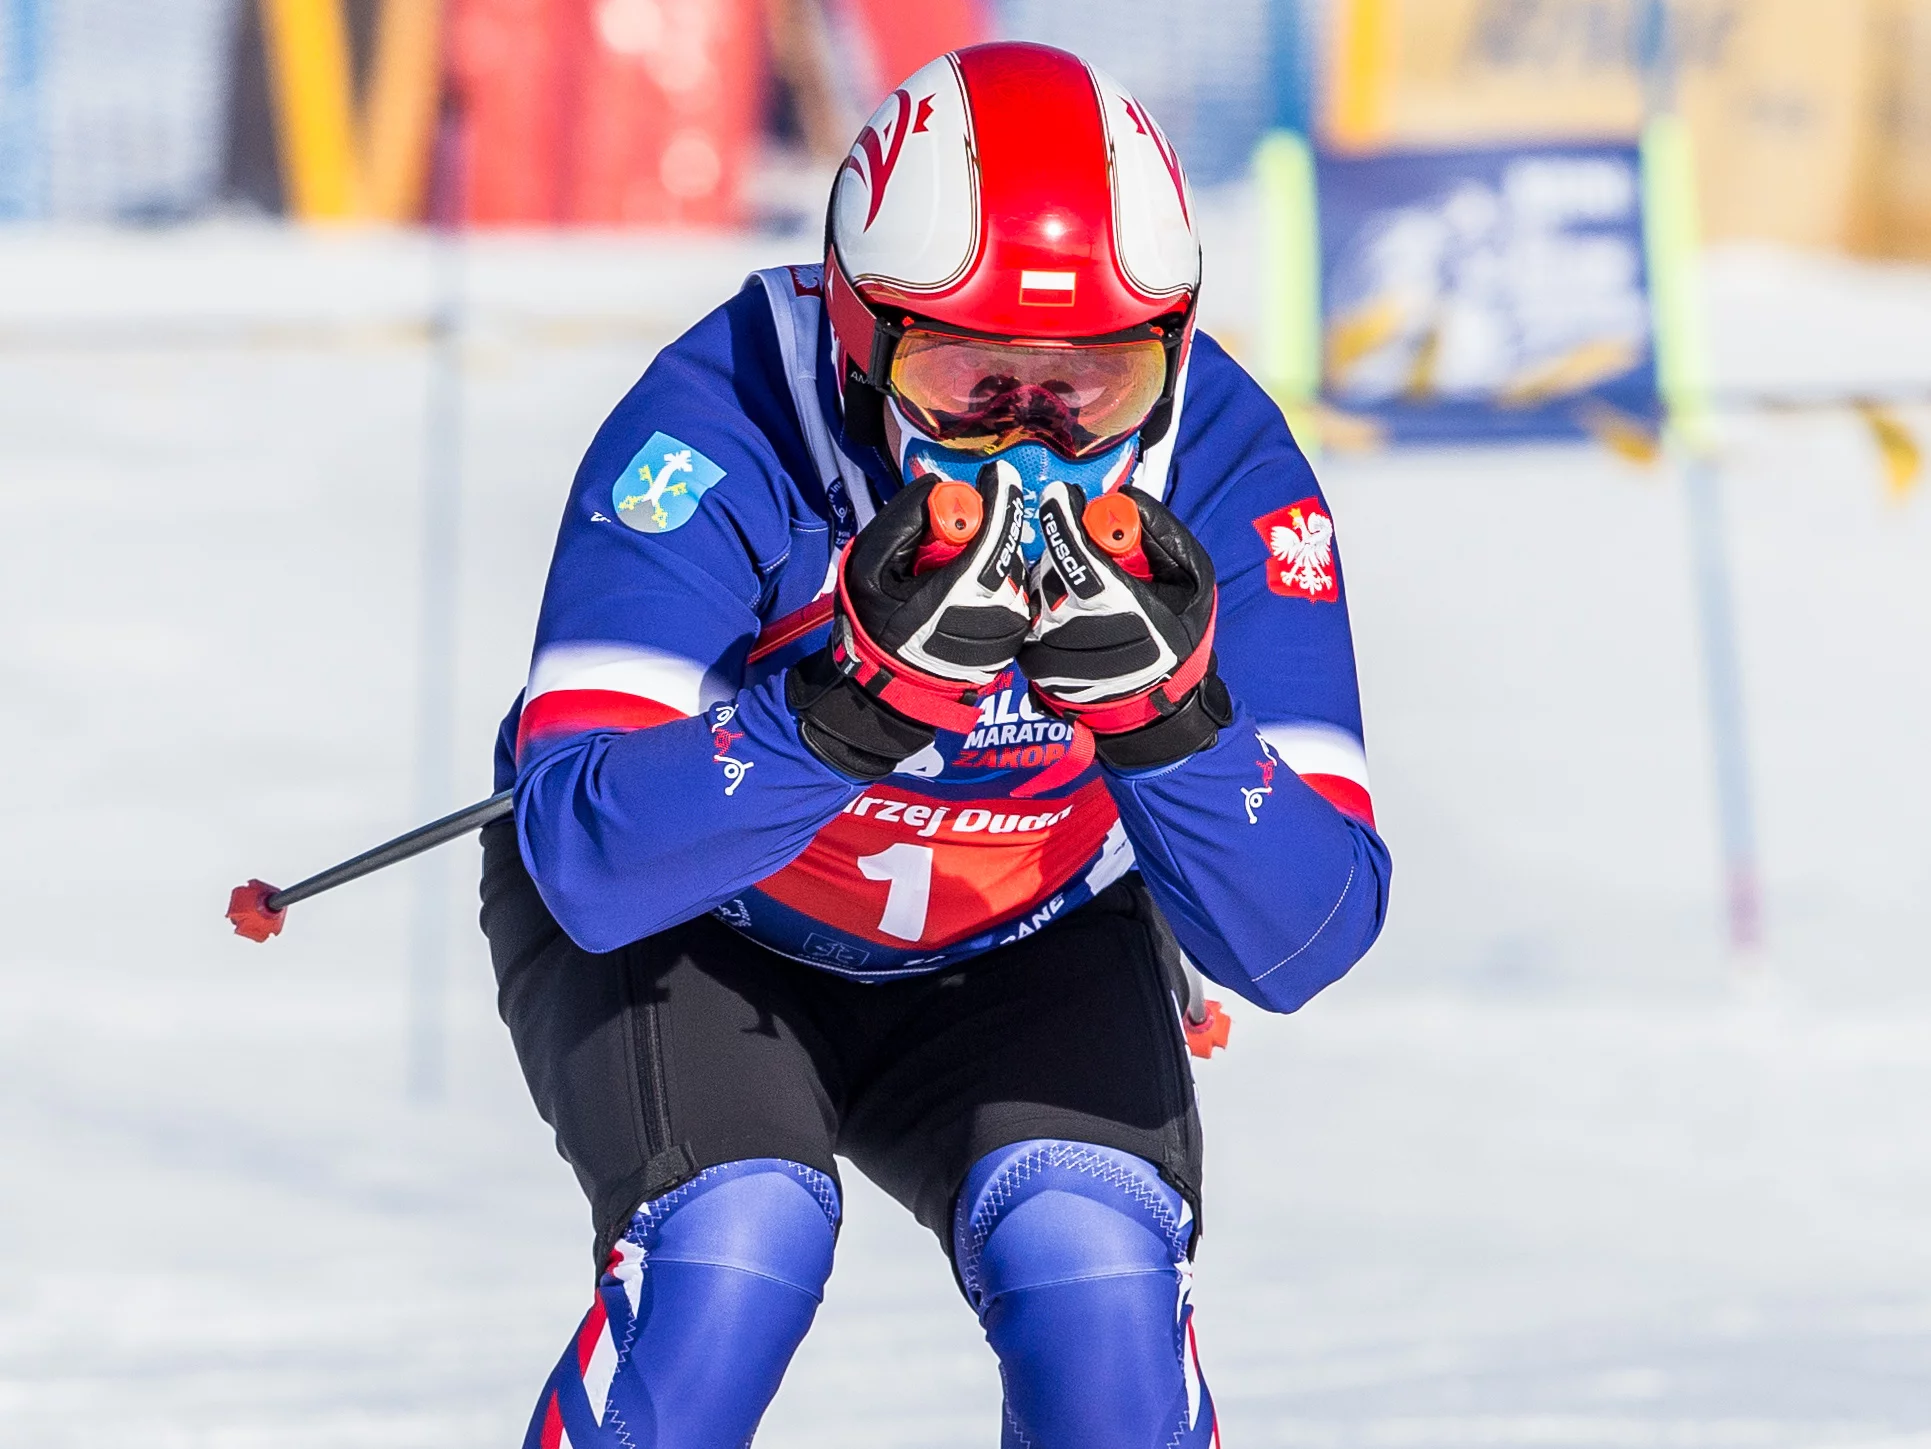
(1042,159)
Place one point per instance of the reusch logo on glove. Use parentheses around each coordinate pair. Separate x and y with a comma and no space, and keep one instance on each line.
(1300,545)
(1072,568)
(1000,564)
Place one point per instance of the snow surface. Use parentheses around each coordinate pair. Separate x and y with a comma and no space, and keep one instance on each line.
(1548,1170)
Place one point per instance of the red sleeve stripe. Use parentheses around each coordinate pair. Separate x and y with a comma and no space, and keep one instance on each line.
(1329,758)
(572,711)
(1344,795)
(622,668)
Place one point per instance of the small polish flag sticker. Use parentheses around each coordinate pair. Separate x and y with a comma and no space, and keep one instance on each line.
(1046,289)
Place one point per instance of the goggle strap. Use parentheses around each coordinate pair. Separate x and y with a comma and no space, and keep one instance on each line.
(872,343)
(857,326)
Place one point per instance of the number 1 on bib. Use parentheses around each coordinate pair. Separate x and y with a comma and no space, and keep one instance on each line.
(909,870)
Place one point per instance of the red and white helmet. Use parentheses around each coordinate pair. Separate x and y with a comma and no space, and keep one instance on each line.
(1011,253)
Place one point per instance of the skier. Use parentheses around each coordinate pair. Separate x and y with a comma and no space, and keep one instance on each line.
(926,632)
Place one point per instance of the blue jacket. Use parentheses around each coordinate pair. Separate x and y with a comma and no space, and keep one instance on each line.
(659,774)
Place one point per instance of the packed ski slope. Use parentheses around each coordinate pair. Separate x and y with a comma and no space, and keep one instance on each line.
(1547,1171)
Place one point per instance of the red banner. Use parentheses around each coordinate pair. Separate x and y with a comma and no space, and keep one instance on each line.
(606,112)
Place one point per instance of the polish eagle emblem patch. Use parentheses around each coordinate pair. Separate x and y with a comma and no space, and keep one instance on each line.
(1300,547)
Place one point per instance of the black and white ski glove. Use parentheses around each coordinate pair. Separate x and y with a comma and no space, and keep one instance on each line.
(1124,645)
(914,643)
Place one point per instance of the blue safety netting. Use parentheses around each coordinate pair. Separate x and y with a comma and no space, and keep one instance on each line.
(112,110)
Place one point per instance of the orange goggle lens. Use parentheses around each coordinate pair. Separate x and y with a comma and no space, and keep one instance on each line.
(978,396)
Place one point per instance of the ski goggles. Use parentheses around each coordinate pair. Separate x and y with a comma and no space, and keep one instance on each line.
(982,395)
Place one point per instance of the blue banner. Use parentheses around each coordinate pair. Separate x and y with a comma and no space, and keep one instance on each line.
(1488,295)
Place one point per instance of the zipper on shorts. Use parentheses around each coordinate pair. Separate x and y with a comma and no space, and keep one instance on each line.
(659,1116)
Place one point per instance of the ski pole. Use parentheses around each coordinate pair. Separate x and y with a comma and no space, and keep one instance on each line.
(953,518)
(257,908)
(1204,1020)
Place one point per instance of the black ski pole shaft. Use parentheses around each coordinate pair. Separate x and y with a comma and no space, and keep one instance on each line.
(423,837)
(256,908)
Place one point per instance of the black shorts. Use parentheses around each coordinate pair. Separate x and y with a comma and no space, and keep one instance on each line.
(696,1047)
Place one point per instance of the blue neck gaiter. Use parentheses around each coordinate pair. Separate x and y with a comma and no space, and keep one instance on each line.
(1036,463)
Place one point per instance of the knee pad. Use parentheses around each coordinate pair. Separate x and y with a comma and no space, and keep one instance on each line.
(1075,1259)
(700,1307)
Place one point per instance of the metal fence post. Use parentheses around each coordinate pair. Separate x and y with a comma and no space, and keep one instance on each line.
(436,665)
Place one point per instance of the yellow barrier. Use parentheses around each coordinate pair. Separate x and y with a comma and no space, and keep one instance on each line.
(313,87)
(342,161)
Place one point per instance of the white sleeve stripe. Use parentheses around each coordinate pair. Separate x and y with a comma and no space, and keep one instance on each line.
(1318,749)
(622,669)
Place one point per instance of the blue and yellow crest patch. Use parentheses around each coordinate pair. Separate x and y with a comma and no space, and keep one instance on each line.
(660,488)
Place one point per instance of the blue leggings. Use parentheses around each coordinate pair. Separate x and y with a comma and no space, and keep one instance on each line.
(1074,1257)
(699,1310)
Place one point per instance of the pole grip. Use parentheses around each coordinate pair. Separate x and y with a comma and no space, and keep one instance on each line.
(1112,521)
(954,514)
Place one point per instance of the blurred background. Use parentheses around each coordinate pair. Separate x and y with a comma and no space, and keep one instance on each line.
(1619,1136)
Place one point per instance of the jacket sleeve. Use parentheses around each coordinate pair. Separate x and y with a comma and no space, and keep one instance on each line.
(1262,849)
(651,783)
(1272,890)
